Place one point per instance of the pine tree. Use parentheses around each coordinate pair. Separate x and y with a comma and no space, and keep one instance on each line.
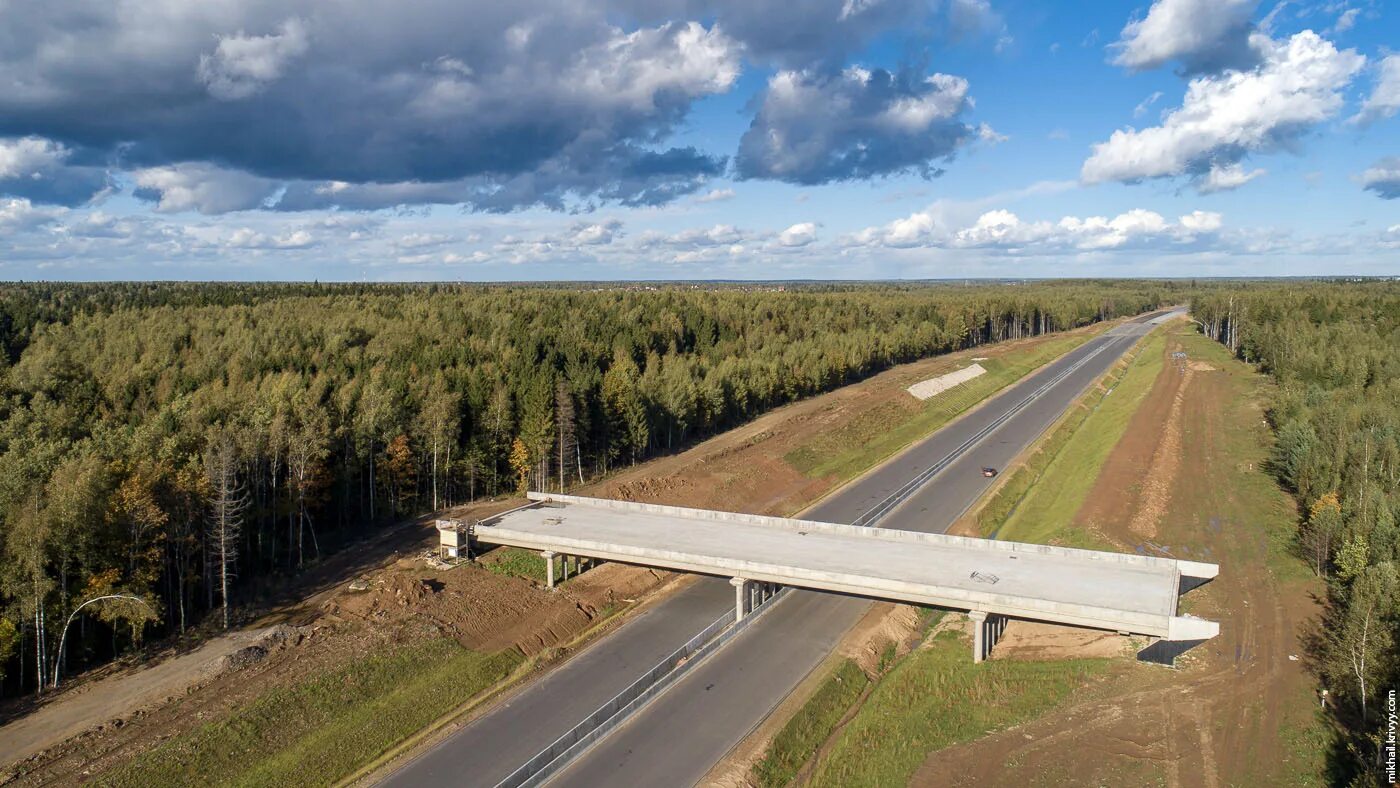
(228,500)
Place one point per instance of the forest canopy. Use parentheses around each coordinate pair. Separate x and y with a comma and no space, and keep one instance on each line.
(178,441)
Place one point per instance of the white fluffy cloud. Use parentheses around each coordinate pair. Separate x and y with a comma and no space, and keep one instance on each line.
(596,233)
(1226,117)
(1204,35)
(20,215)
(1005,231)
(798,235)
(1227,177)
(241,64)
(1384,100)
(29,157)
(718,235)
(194,186)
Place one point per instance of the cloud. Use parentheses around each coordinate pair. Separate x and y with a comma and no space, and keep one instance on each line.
(1384,101)
(245,238)
(800,34)
(508,104)
(813,128)
(1146,104)
(1228,177)
(20,215)
(1205,36)
(39,169)
(242,65)
(1383,178)
(194,186)
(798,235)
(1003,230)
(1202,221)
(596,234)
(1226,117)
(423,240)
(718,235)
(1346,21)
(716,195)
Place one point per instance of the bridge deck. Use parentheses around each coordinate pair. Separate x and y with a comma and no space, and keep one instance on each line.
(1087,588)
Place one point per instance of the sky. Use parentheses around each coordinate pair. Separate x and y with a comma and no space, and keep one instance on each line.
(697,139)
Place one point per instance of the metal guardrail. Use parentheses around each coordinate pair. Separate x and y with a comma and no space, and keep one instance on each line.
(615,711)
(878,512)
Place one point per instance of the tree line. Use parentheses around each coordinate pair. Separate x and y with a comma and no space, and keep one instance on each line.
(183,442)
(1334,349)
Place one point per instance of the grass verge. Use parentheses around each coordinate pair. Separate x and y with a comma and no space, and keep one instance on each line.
(1038,503)
(317,731)
(519,562)
(868,439)
(799,739)
(934,698)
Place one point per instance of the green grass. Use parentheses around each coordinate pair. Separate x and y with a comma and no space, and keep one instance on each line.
(873,436)
(321,730)
(518,562)
(1048,500)
(935,697)
(800,738)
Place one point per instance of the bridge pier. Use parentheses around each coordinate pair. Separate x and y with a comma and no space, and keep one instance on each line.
(741,591)
(986,631)
(548,556)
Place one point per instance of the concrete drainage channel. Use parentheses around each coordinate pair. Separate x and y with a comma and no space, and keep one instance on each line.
(552,759)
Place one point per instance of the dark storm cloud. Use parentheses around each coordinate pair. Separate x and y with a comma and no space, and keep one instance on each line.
(251,104)
(364,93)
(813,128)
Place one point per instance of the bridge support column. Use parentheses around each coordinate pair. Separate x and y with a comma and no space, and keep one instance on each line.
(979,635)
(741,590)
(548,556)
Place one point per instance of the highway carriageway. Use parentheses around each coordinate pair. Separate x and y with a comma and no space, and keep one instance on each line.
(1122,592)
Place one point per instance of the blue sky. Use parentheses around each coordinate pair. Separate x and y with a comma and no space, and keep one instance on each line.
(690,139)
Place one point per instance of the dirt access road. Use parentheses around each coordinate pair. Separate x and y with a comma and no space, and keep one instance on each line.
(1185,481)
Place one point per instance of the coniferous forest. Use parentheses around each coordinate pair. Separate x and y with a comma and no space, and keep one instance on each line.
(1334,350)
(180,442)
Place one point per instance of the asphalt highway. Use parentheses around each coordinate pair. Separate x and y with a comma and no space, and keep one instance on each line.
(679,736)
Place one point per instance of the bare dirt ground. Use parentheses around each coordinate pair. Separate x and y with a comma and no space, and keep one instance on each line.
(1038,641)
(1217,720)
(115,713)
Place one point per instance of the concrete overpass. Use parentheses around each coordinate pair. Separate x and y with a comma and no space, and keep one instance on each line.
(992,580)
